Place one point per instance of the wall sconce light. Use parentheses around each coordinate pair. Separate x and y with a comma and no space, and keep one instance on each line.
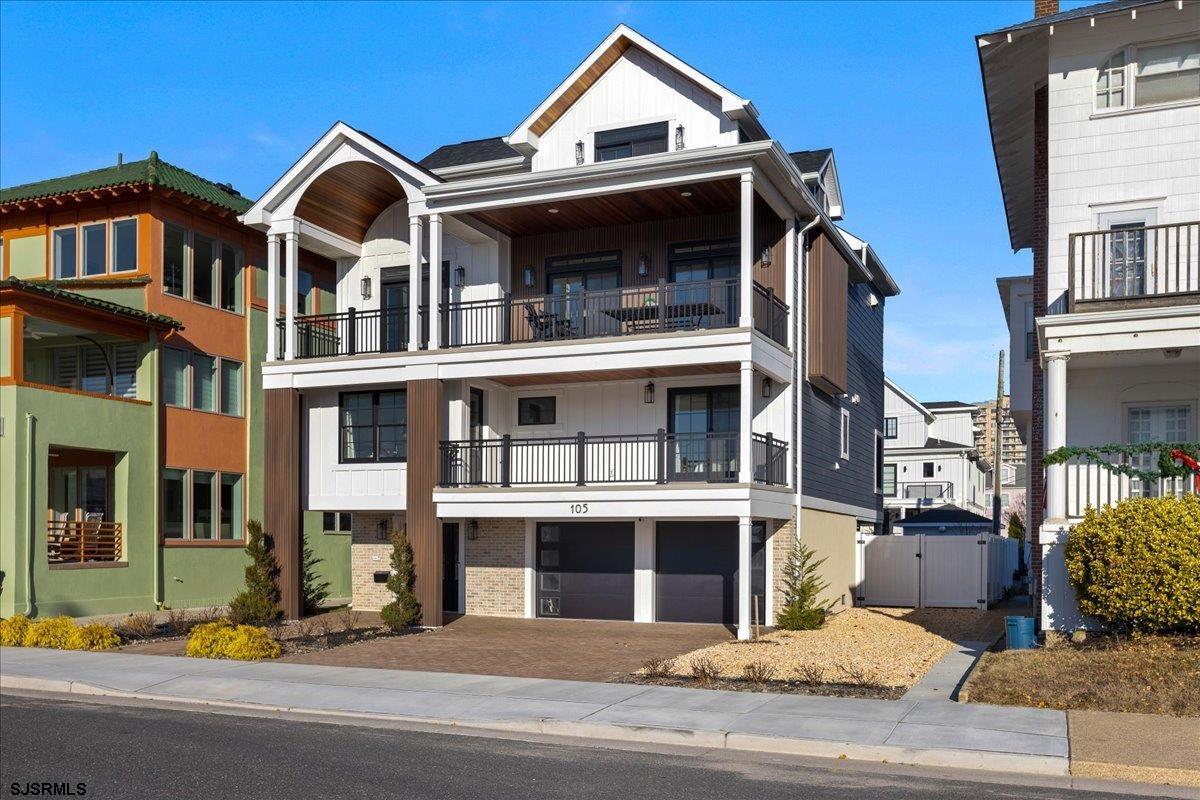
(648,393)
(382,529)
(579,152)
(643,266)
(678,137)
(364,287)
(472,529)
(767,385)
(460,277)
(765,258)
(529,277)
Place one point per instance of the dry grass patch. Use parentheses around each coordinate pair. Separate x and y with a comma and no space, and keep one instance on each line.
(871,647)
(1150,675)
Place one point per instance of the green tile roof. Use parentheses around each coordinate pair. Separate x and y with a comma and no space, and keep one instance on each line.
(150,170)
(51,289)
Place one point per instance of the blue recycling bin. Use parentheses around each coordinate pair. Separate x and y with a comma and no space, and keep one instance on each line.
(1019,633)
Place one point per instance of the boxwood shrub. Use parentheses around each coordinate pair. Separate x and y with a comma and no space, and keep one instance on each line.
(223,639)
(1136,566)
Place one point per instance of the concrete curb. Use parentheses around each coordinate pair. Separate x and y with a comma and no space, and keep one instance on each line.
(891,754)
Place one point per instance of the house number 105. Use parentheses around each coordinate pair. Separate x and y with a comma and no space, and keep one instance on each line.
(579,508)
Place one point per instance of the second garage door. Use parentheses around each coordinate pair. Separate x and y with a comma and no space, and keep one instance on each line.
(696,571)
(585,570)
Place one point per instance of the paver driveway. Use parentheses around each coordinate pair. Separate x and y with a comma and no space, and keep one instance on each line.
(526,648)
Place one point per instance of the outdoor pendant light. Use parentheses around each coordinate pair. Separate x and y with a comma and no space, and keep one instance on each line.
(529,277)
(648,394)
(643,266)
(364,287)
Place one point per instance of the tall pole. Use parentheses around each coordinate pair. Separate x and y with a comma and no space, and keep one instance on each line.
(997,455)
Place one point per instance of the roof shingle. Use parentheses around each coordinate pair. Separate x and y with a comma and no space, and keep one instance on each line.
(52,289)
(473,152)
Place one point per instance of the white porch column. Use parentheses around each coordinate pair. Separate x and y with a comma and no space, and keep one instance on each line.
(414,283)
(746,251)
(643,570)
(272,296)
(790,248)
(292,243)
(1056,432)
(435,281)
(745,526)
(746,424)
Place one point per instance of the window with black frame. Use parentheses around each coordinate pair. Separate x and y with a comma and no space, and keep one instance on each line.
(583,288)
(703,425)
(702,293)
(638,140)
(373,426)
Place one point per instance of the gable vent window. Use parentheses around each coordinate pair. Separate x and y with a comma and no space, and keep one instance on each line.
(640,140)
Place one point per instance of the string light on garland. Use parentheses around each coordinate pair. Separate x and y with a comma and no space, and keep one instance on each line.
(1102,455)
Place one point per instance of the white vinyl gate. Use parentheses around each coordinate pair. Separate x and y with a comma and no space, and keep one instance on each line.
(923,571)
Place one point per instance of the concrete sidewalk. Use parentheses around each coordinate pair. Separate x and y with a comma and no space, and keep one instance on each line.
(923,732)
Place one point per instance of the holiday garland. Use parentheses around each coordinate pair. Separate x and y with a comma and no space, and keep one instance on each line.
(1102,455)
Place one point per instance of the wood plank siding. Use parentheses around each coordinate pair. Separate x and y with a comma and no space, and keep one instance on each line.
(281,502)
(347,198)
(424,532)
(653,239)
(828,281)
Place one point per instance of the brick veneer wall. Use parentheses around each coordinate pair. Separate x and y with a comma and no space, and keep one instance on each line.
(495,569)
(1037,426)
(781,547)
(369,553)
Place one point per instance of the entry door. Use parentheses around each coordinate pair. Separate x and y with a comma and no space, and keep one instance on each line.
(704,425)
(1128,255)
(450,565)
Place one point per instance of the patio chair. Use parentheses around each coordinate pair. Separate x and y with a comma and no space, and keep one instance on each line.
(546,325)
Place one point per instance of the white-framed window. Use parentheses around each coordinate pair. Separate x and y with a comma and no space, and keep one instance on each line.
(93,249)
(124,245)
(1148,75)
(105,369)
(63,252)
(202,505)
(845,434)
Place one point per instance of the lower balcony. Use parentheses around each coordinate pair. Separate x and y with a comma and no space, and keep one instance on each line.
(586,460)
(1091,485)
(83,541)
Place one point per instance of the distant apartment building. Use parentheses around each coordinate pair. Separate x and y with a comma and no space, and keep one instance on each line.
(1012,449)
(133,317)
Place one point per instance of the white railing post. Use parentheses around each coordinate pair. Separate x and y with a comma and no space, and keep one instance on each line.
(1056,432)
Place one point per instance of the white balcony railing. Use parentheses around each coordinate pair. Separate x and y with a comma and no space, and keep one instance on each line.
(1090,484)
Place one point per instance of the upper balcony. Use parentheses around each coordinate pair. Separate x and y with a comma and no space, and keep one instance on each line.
(1134,266)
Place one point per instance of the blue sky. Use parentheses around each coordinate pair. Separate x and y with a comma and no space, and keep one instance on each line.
(235,92)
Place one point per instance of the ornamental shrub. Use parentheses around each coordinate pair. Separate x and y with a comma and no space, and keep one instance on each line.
(258,601)
(1136,566)
(13,630)
(314,590)
(802,584)
(222,639)
(52,632)
(404,611)
(208,639)
(94,636)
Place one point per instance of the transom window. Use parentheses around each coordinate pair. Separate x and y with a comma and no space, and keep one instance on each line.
(373,426)
(94,249)
(1149,74)
(202,269)
(638,140)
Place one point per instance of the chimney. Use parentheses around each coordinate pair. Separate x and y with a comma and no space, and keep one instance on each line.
(1042,8)
(120,159)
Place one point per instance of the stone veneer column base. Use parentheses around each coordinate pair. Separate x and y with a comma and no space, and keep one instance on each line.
(781,543)
(370,552)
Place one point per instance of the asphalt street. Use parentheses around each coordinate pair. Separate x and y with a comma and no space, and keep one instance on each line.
(127,752)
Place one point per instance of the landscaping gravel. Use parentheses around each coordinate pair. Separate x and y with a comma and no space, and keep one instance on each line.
(883,647)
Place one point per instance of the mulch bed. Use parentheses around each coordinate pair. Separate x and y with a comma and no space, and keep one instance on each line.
(779,687)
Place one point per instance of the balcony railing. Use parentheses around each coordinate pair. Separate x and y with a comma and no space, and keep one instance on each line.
(1090,484)
(660,308)
(770,459)
(1135,263)
(82,541)
(583,460)
(928,492)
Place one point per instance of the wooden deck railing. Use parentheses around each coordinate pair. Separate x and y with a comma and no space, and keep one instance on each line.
(1134,264)
(77,542)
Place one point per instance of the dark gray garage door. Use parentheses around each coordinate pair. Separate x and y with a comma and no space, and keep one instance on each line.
(696,571)
(585,570)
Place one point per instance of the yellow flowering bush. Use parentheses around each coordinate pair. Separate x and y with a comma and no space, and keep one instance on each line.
(1136,565)
(53,632)
(222,639)
(94,636)
(13,630)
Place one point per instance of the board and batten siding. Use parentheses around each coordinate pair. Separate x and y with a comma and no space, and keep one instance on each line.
(334,486)
(1148,158)
(635,90)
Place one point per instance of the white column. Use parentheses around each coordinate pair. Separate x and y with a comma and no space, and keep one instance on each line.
(1056,433)
(746,250)
(272,296)
(292,244)
(745,526)
(790,249)
(746,414)
(435,280)
(414,283)
(643,570)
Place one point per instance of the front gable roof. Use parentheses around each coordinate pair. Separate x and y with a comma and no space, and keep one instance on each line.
(525,136)
(908,398)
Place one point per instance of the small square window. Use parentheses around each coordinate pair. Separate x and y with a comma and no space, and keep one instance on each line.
(537,410)
(891,428)
(927,469)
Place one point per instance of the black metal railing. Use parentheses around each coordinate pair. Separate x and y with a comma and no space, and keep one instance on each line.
(770,314)
(1133,263)
(927,491)
(770,459)
(584,459)
(351,332)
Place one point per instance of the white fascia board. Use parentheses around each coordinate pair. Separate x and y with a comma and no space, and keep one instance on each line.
(481,168)
(908,398)
(1120,330)
(326,242)
(772,358)
(609,502)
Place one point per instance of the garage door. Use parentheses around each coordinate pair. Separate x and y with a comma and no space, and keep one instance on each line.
(696,571)
(585,570)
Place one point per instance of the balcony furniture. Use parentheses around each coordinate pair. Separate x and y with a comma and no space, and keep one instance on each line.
(546,325)
(675,316)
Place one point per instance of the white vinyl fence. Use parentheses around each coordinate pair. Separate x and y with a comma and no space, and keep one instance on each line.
(927,571)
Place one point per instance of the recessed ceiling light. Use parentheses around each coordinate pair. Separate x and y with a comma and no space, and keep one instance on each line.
(552,210)
(686,194)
